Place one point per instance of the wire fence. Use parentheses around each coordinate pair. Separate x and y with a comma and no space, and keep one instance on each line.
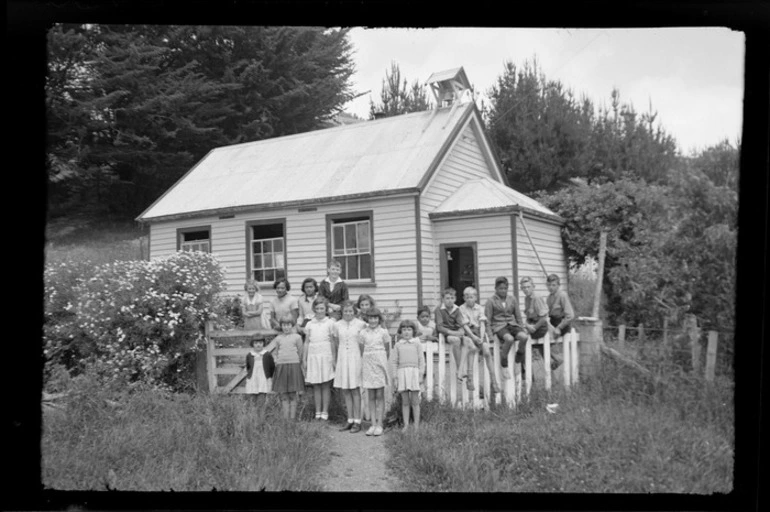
(678,348)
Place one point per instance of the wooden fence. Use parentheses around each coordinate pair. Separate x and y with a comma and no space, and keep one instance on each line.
(689,332)
(441,375)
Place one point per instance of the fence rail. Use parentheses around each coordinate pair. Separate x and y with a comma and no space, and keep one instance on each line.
(441,381)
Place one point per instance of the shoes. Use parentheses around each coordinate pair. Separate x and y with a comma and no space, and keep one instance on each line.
(356,428)
(347,427)
(318,415)
(371,430)
(377,431)
(495,387)
(325,416)
(469,384)
(506,373)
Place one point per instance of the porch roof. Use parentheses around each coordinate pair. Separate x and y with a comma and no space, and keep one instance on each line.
(484,195)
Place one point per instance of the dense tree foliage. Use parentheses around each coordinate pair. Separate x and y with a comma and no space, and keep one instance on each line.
(671,247)
(131,108)
(397,97)
(545,136)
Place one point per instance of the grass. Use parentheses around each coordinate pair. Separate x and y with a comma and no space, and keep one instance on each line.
(615,434)
(158,442)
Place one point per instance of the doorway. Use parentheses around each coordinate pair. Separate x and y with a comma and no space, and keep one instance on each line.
(459,267)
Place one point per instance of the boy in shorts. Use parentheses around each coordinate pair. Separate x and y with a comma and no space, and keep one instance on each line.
(505,322)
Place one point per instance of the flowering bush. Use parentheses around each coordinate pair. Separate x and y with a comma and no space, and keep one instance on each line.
(131,321)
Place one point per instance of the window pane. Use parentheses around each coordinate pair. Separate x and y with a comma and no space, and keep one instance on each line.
(269,275)
(362,229)
(257,261)
(338,242)
(205,247)
(353,267)
(338,252)
(279,260)
(268,260)
(259,276)
(278,245)
(257,247)
(279,273)
(350,238)
(267,246)
(366,266)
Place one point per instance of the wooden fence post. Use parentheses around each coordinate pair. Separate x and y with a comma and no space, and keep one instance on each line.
(693,333)
(622,335)
(711,356)
(442,391)
(210,360)
(547,360)
(640,330)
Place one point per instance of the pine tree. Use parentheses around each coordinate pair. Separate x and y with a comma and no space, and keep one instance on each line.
(397,97)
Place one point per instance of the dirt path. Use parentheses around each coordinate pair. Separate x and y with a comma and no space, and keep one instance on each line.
(357,463)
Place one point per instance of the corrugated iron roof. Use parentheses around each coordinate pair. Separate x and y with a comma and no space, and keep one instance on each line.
(487,194)
(377,156)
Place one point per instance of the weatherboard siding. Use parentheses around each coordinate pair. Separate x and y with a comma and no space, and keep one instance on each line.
(464,161)
(395,244)
(547,238)
(492,235)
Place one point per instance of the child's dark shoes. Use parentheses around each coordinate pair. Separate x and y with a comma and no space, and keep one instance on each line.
(348,426)
(355,429)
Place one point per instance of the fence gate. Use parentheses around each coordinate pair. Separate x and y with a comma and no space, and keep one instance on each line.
(226,357)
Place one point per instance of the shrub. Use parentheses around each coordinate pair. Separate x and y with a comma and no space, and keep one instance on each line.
(131,321)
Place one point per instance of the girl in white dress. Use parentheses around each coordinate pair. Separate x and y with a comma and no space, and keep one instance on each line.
(375,346)
(347,374)
(407,366)
(257,384)
(320,357)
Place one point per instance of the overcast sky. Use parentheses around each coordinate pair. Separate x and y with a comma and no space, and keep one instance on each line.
(692,76)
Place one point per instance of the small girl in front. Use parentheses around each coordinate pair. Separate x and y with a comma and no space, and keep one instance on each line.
(347,374)
(320,357)
(257,383)
(375,346)
(407,366)
(288,381)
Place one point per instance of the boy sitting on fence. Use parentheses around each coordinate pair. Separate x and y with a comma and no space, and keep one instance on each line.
(450,323)
(473,314)
(505,322)
(536,313)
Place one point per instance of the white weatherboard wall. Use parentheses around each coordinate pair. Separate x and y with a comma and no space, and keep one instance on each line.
(492,235)
(464,161)
(547,239)
(394,247)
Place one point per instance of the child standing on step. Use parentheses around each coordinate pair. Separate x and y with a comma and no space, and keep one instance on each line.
(347,374)
(320,357)
(251,307)
(288,381)
(375,346)
(258,384)
(334,289)
(407,366)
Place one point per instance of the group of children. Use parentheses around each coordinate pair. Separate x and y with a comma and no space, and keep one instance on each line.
(328,340)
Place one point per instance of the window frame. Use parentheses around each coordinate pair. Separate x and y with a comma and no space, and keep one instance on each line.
(180,232)
(249,225)
(340,218)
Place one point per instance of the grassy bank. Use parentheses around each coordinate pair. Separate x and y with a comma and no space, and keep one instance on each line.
(155,442)
(614,435)
(96,241)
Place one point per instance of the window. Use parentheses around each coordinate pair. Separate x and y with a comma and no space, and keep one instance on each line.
(194,239)
(351,244)
(266,251)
